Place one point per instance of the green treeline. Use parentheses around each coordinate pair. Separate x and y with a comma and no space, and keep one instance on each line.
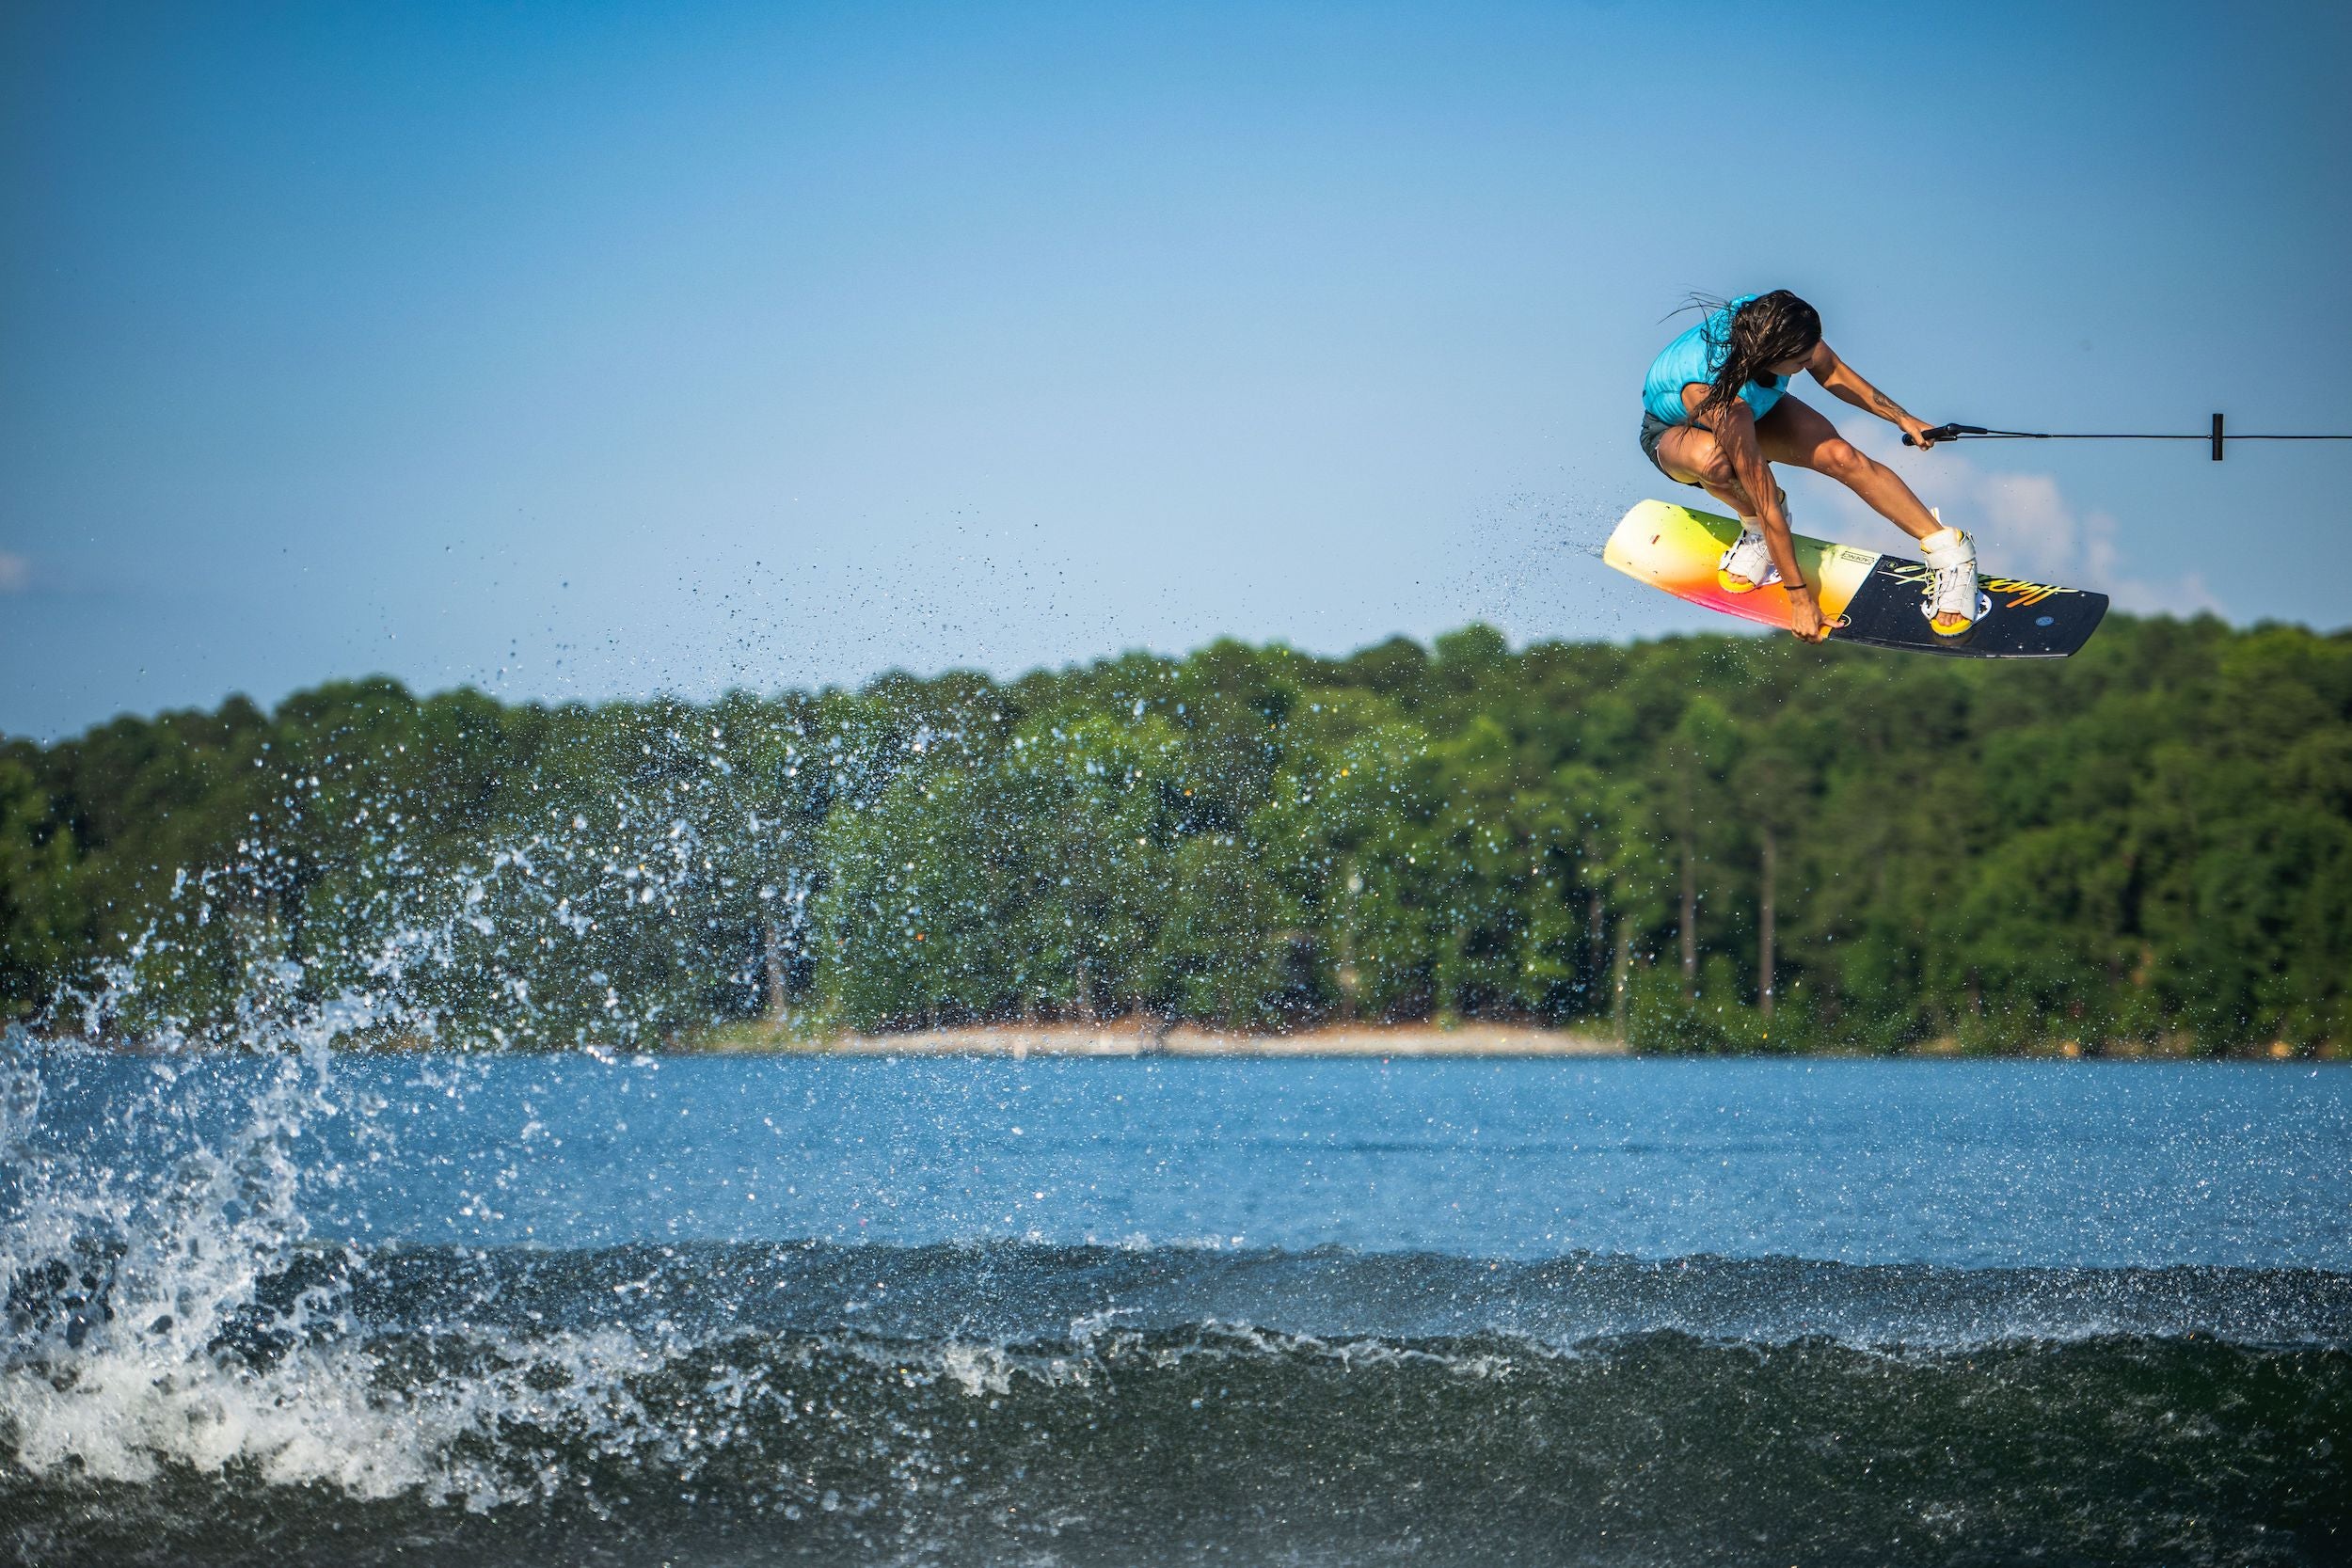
(1713,843)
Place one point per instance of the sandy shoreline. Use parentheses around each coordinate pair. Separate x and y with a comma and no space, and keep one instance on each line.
(1123,1038)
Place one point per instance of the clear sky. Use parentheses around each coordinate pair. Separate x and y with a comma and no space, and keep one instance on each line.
(574,350)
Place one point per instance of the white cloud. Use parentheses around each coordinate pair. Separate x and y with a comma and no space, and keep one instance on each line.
(2025,527)
(16,573)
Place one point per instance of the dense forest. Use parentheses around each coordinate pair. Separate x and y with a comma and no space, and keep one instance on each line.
(1711,843)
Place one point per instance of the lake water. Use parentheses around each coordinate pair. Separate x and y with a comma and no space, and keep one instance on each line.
(704,1310)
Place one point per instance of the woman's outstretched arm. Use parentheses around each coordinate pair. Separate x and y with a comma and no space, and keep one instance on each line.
(1846,384)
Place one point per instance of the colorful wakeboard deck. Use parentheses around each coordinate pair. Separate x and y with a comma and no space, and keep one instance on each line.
(1869,599)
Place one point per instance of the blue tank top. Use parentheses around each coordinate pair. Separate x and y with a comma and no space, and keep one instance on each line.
(1696,356)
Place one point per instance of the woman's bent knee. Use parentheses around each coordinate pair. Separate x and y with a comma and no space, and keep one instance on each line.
(1840,460)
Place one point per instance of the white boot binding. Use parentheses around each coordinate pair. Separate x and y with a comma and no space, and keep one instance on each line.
(1951,602)
(1748,565)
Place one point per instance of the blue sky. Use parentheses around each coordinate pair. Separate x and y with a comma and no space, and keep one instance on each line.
(572,350)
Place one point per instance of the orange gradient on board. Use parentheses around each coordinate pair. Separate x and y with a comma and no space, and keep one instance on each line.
(1677,548)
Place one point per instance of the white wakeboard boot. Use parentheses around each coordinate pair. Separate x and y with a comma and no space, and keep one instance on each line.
(1748,565)
(1951,602)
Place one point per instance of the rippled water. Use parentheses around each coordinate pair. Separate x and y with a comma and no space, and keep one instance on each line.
(449,1309)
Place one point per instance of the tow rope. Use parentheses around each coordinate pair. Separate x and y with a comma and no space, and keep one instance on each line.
(2217,436)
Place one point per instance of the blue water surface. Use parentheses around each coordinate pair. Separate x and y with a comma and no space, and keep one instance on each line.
(1958,1163)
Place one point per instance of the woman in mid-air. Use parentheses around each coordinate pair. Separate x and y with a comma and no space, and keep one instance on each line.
(1716,413)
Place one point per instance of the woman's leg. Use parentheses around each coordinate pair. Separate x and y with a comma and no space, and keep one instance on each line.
(1797,435)
(1697,456)
(1692,456)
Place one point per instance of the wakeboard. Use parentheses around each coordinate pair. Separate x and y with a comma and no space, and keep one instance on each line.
(1876,600)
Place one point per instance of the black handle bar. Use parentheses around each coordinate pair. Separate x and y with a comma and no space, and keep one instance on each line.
(1948,432)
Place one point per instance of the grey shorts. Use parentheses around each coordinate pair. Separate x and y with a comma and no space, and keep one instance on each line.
(1653,429)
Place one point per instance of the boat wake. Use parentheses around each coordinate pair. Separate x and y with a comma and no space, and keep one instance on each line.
(1050,1405)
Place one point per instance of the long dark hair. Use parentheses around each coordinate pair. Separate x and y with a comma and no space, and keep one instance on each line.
(1767,328)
